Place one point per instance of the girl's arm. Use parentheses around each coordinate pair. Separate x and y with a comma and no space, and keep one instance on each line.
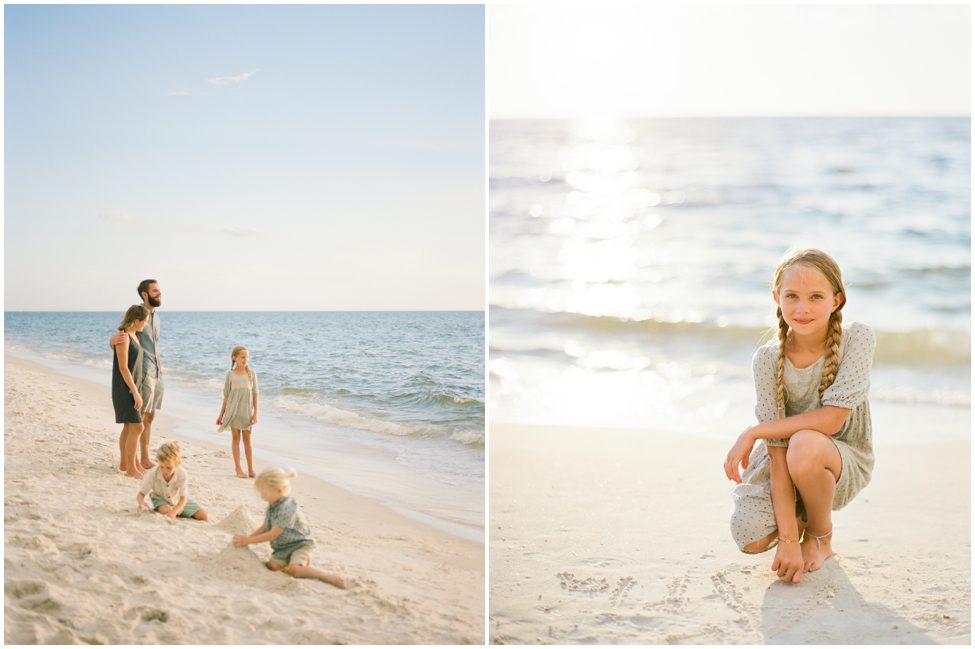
(788,555)
(828,420)
(223,408)
(226,393)
(256,392)
(273,533)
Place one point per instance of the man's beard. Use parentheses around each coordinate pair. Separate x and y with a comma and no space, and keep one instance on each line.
(154,301)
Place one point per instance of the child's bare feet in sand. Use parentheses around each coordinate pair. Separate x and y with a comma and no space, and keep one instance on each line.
(241,474)
(251,474)
(816,549)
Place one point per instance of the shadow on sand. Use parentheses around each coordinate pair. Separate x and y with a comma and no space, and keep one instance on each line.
(828,609)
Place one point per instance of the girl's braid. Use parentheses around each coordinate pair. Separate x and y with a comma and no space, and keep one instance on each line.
(833,337)
(780,368)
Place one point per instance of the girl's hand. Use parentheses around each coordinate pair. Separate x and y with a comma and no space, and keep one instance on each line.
(220,419)
(788,562)
(254,418)
(739,455)
(140,504)
(239,540)
(138,399)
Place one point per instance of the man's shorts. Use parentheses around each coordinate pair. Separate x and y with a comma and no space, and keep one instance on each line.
(151,391)
(191,506)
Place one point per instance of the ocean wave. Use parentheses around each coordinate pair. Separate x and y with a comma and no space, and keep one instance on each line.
(347,419)
(469,437)
(335,416)
(924,346)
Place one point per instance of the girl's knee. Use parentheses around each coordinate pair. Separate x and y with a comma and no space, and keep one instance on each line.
(274,565)
(201,515)
(805,449)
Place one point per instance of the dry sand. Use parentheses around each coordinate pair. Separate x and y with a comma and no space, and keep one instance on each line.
(616,536)
(81,566)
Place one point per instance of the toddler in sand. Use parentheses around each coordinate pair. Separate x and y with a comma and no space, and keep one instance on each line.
(165,484)
(239,409)
(811,386)
(285,527)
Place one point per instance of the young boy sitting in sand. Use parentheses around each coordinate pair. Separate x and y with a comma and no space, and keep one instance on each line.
(285,527)
(165,484)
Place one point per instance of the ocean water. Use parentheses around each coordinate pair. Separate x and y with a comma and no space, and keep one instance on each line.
(387,404)
(631,260)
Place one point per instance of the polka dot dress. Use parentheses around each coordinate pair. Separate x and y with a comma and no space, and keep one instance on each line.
(752,517)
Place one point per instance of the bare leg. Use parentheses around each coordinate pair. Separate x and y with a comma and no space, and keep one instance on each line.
(132,433)
(815,465)
(235,450)
(308,572)
(249,453)
(123,465)
(147,418)
(765,542)
(201,515)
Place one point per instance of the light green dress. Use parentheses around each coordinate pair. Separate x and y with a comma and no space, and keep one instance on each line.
(753,517)
(239,391)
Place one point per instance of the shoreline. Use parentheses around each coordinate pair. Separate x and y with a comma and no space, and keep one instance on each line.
(355,461)
(69,515)
(621,536)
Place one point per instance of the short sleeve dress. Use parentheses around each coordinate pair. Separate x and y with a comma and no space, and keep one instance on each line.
(240,393)
(753,517)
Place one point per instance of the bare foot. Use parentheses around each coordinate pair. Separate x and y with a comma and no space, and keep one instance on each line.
(816,550)
(147,464)
(241,474)
(251,474)
(134,474)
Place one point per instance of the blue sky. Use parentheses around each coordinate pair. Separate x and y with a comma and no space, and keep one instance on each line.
(248,157)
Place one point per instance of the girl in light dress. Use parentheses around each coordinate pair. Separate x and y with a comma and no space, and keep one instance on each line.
(239,409)
(811,385)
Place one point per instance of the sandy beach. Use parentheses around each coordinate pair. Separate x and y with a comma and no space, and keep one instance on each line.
(81,566)
(621,536)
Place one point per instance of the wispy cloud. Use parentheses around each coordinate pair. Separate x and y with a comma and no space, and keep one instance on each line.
(234,78)
(240,232)
(116,216)
(177,93)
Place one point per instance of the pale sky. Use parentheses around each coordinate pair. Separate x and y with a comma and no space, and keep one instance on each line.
(248,157)
(757,60)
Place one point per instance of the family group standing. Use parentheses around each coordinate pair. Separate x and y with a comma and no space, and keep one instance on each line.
(137,391)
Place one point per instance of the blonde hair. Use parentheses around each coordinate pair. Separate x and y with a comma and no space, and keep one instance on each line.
(168,452)
(134,313)
(818,260)
(233,354)
(274,478)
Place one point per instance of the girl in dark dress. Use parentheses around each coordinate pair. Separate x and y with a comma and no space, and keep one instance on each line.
(126,369)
